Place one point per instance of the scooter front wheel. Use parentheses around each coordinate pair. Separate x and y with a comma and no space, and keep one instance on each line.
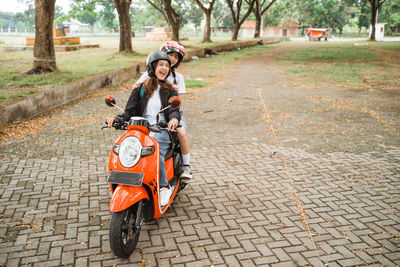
(125,228)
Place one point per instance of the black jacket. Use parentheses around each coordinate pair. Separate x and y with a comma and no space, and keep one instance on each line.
(136,105)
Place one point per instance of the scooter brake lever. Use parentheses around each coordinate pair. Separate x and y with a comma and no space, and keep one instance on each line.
(166,129)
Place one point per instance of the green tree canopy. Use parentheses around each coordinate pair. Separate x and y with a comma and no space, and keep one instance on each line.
(390,13)
(107,16)
(26,19)
(190,13)
(334,14)
(221,15)
(84,11)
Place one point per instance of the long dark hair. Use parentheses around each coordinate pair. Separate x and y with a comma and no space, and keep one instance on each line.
(174,75)
(151,84)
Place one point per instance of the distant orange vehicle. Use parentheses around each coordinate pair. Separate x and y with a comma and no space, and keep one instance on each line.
(316,34)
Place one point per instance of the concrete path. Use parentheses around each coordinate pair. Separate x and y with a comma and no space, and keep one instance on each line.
(284,176)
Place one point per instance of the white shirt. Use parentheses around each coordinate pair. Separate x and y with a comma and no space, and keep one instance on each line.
(179,80)
(153,107)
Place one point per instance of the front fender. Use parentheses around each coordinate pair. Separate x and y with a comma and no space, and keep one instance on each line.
(125,196)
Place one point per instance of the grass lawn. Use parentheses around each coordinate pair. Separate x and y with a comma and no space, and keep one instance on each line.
(74,65)
(349,64)
(205,68)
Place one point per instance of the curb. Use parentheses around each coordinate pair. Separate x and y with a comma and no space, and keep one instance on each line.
(57,96)
(202,52)
(63,48)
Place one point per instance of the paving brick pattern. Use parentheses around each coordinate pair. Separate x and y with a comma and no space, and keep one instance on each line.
(242,209)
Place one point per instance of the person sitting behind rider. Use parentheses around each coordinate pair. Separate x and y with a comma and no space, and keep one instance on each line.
(176,52)
(156,95)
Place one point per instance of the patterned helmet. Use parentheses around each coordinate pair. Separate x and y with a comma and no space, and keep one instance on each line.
(155,57)
(174,46)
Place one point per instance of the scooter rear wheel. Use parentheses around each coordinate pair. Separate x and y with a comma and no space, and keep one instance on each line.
(124,236)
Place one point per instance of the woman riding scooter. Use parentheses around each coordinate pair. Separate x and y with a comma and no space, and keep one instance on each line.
(157,92)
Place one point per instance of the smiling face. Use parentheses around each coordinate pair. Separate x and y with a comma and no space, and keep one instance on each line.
(174,57)
(162,69)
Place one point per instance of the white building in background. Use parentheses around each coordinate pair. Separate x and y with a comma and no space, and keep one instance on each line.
(76,26)
(379,31)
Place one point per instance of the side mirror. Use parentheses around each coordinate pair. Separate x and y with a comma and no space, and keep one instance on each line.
(110,101)
(175,102)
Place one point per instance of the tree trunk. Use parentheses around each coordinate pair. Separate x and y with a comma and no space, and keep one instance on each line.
(258,24)
(125,31)
(373,19)
(207,14)
(257,14)
(375,5)
(174,19)
(207,28)
(235,33)
(175,27)
(329,35)
(237,21)
(43,51)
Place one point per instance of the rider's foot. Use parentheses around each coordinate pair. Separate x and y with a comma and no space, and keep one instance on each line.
(186,173)
(165,194)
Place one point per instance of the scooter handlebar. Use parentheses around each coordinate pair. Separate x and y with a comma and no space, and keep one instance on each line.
(155,128)
(118,124)
(159,128)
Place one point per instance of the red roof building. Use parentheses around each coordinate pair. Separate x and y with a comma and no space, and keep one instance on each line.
(286,29)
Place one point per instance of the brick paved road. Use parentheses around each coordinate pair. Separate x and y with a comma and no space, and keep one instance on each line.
(269,189)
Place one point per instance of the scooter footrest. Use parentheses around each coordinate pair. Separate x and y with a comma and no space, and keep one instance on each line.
(125,178)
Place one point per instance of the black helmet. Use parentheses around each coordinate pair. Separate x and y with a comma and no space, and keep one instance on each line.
(154,57)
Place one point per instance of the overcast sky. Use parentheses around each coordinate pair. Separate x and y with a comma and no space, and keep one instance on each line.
(15,6)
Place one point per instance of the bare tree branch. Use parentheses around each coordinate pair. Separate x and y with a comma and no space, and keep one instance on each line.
(230,5)
(159,9)
(267,7)
(237,22)
(203,8)
(251,6)
(174,19)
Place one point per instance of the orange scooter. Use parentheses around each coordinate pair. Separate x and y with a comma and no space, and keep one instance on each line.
(134,178)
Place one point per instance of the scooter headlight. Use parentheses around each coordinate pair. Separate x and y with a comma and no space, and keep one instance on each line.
(129,151)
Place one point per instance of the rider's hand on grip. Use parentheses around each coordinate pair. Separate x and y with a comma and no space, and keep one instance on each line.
(118,123)
(172,124)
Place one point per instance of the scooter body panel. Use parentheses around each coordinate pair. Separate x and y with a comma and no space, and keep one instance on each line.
(173,181)
(145,165)
(125,196)
(131,185)
(149,166)
(169,167)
